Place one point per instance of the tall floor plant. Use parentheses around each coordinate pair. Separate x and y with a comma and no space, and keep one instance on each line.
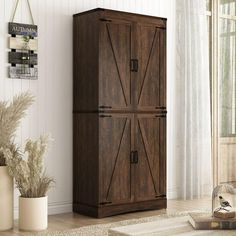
(10,115)
(28,170)
(11,112)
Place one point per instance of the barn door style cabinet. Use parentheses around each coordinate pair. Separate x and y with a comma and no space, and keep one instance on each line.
(119,112)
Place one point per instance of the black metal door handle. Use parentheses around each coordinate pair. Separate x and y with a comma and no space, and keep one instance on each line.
(134,157)
(134,65)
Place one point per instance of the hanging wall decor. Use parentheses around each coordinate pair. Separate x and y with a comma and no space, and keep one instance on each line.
(23,44)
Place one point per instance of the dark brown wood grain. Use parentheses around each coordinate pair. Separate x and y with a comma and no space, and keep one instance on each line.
(162,67)
(109,210)
(149,172)
(114,158)
(85,158)
(162,155)
(102,59)
(151,77)
(119,112)
(114,74)
(113,14)
(85,62)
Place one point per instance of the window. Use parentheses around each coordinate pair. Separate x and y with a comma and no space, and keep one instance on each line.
(221,15)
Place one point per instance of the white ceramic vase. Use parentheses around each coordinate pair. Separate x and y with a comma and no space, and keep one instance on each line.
(33,213)
(6,199)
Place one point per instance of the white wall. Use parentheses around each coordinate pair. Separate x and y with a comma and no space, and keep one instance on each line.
(52,111)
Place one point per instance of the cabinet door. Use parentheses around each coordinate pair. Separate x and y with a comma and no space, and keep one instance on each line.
(150,92)
(114,158)
(114,65)
(149,171)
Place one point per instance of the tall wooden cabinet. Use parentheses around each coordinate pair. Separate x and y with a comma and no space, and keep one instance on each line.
(119,112)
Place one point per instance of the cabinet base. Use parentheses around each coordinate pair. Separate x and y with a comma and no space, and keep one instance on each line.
(109,210)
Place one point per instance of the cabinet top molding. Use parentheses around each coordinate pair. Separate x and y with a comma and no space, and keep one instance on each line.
(120,14)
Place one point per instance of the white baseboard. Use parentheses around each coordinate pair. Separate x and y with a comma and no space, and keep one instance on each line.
(65,207)
(53,208)
(59,208)
(172,193)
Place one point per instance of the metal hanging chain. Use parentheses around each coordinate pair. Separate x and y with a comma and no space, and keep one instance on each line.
(15,8)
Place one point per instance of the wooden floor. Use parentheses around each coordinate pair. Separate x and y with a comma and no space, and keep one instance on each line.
(72,220)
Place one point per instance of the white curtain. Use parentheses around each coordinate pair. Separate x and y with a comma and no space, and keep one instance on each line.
(190,118)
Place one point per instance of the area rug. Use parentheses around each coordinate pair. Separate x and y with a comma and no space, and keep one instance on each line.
(179,226)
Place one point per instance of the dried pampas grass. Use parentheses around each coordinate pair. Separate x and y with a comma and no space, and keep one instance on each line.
(28,168)
(10,116)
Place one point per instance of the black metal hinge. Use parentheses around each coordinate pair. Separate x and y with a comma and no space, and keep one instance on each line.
(103,19)
(105,107)
(161,115)
(160,196)
(104,116)
(105,203)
